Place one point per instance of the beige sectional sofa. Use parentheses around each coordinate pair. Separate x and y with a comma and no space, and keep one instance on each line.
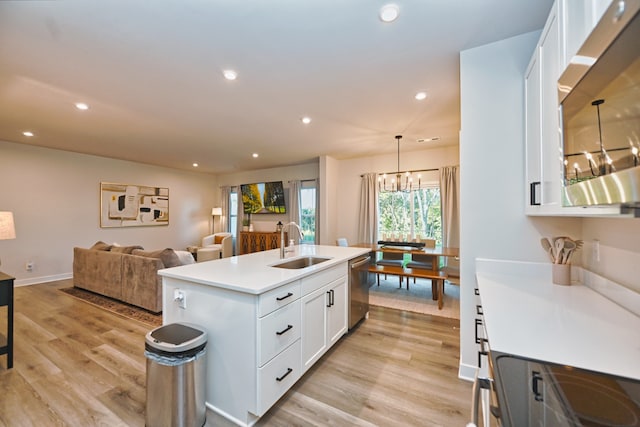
(128,274)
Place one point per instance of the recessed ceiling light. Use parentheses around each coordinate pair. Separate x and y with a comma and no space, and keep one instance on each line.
(306,120)
(230,74)
(421,95)
(27,133)
(434,138)
(195,165)
(389,12)
(81,106)
(255,155)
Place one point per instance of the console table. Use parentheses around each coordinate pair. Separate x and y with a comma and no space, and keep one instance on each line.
(6,299)
(255,241)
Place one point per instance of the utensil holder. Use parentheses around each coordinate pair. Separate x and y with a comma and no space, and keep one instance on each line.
(561,274)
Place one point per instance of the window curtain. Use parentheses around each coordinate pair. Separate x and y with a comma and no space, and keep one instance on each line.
(225,194)
(450,205)
(368,223)
(294,207)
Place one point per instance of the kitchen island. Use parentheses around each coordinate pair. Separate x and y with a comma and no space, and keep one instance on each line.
(266,325)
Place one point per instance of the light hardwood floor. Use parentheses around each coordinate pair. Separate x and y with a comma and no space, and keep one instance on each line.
(79,365)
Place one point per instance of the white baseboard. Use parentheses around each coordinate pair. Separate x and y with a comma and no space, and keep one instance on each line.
(42,279)
(467,372)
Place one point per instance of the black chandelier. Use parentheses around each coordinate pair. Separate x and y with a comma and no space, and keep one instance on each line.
(400,181)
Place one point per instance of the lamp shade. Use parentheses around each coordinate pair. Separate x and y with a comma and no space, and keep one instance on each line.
(216,212)
(7,229)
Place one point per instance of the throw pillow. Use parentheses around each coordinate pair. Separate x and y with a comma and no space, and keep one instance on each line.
(217,240)
(167,256)
(185,257)
(125,249)
(100,246)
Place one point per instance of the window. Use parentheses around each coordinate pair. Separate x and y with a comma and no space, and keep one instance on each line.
(308,210)
(233,211)
(410,215)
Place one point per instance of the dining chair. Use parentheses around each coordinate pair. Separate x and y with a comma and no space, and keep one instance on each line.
(342,241)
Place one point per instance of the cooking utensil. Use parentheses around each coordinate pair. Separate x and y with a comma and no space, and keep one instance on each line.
(558,244)
(546,245)
(569,247)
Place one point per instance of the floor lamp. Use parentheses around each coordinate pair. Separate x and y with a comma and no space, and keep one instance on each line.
(7,229)
(214,213)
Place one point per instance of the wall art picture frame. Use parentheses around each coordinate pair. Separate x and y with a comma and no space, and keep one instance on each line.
(130,205)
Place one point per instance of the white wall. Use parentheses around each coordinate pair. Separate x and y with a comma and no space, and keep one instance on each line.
(55,198)
(493,223)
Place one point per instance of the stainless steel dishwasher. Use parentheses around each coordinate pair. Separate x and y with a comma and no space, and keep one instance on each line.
(359,281)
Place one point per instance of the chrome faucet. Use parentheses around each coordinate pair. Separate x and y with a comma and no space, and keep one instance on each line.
(282,242)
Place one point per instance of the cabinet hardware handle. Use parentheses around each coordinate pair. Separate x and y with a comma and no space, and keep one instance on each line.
(536,378)
(284,330)
(478,323)
(329,296)
(332,298)
(289,370)
(476,291)
(480,354)
(479,310)
(289,294)
(532,193)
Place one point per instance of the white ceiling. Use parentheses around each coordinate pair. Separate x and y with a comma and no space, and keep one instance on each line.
(151,72)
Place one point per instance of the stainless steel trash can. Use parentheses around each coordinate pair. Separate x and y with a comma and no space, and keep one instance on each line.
(176,372)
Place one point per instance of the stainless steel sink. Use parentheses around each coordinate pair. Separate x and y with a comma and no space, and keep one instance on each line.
(298,263)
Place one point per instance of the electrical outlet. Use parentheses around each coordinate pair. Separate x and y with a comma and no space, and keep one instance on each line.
(29,266)
(180,297)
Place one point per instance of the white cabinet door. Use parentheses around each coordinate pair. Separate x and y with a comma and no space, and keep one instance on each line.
(314,326)
(532,133)
(551,160)
(337,310)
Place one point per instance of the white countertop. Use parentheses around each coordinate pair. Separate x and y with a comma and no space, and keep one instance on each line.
(254,273)
(526,315)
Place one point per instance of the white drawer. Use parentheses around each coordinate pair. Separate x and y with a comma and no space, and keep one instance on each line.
(277,376)
(277,331)
(278,297)
(318,280)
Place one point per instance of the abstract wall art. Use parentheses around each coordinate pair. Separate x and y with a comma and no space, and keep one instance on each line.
(128,205)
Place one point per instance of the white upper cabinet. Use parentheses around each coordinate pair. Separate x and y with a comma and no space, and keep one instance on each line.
(568,25)
(544,160)
(578,18)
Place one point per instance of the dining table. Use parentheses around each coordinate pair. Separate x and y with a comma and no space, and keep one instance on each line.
(436,275)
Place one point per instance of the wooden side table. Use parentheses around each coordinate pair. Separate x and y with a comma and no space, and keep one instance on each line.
(6,298)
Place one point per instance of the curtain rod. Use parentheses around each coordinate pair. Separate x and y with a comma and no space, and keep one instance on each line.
(412,171)
(303,180)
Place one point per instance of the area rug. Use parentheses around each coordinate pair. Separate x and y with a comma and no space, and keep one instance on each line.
(417,299)
(115,306)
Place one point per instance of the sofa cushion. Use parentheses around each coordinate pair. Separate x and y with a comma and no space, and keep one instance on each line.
(100,246)
(125,249)
(167,256)
(218,239)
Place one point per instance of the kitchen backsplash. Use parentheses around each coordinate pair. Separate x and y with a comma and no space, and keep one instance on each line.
(616,254)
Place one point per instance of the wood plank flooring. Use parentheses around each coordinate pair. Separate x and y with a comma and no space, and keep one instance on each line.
(78,365)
